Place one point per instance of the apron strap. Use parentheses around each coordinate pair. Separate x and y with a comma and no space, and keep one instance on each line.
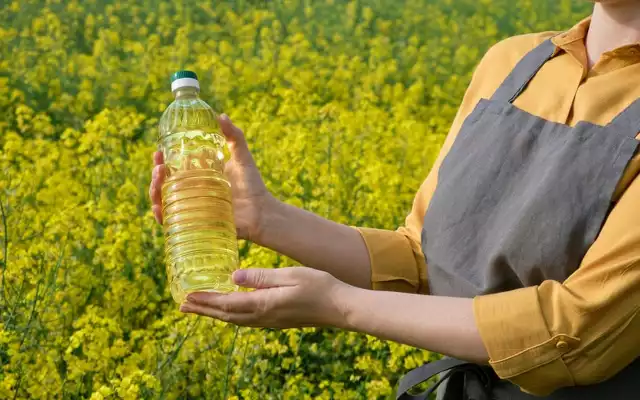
(524,71)
(628,121)
(429,370)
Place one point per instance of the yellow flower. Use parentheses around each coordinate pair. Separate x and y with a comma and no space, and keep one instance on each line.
(344,108)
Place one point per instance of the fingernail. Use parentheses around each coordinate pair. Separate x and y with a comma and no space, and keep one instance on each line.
(185,308)
(240,276)
(224,117)
(191,298)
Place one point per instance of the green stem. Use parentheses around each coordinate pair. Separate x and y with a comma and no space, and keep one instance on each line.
(175,351)
(174,354)
(5,255)
(229,360)
(32,313)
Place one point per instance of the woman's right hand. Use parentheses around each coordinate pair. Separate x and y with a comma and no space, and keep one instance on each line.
(249,194)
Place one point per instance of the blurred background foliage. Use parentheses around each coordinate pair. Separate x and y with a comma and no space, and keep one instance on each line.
(345,105)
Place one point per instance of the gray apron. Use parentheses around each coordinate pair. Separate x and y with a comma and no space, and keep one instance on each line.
(520,200)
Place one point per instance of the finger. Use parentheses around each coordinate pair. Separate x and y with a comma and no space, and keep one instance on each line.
(157,180)
(152,186)
(158,158)
(157,213)
(238,302)
(235,140)
(159,174)
(205,311)
(230,131)
(156,203)
(262,278)
(233,318)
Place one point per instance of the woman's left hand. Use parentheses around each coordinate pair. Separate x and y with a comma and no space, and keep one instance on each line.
(284,298)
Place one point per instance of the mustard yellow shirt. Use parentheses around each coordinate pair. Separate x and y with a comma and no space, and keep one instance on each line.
(587,328)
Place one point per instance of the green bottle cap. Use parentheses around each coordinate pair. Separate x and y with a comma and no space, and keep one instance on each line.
(184,74)
(184,79)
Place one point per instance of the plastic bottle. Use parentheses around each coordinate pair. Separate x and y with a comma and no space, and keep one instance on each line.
(201,249)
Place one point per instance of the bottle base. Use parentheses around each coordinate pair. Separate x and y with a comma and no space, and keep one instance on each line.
(201,281)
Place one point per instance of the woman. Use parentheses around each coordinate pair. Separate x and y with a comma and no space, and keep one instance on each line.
(521,255)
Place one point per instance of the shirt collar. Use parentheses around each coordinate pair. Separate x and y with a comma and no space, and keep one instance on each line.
(573,43)
(577,33)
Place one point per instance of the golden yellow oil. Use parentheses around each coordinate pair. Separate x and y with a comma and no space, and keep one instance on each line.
(201,250)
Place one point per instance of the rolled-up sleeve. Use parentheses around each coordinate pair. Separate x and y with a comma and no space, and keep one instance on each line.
(397,263)
(396,258)
(577,332)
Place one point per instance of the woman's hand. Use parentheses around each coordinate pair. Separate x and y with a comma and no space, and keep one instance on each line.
(284,298)
(249,194)
(303,297)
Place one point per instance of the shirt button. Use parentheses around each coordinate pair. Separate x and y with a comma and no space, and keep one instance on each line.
(562,345)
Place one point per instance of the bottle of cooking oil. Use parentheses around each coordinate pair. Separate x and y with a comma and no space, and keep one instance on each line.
(201,250)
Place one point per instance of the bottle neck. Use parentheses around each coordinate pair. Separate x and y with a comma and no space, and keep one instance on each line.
(186,93)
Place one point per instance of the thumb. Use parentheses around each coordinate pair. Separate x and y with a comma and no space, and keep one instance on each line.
(235,140)
(263,278)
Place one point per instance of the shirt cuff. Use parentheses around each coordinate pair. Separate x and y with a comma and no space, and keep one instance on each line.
(520,346)
(397,263)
